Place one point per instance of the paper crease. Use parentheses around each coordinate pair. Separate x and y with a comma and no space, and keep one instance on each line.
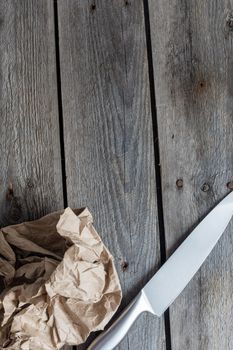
(60,282)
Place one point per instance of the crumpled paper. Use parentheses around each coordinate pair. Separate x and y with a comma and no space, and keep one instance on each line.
(60,282)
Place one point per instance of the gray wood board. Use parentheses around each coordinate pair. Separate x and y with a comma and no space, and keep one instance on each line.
(30,172)
(109,142)
(193,57)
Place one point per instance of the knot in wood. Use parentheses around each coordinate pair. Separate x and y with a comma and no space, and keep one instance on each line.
(230,185)
(93,7)
(230,21)
(205,187)
(124,265)
(10,191)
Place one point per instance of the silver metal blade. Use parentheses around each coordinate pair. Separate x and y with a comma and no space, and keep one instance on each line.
(179,269)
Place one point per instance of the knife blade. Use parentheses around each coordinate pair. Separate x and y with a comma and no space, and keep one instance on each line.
(169,281)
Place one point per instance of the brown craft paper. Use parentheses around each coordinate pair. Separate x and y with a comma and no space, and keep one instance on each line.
(60,282)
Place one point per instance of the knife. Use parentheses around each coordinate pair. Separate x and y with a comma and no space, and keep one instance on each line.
(164,287)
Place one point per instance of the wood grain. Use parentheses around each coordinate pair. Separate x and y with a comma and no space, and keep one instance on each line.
(192,53)
(30,171)
(109,142)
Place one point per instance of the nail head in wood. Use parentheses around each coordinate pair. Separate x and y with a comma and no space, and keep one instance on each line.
(179,183)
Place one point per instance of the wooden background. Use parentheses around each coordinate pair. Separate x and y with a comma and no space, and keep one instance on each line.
(125,106)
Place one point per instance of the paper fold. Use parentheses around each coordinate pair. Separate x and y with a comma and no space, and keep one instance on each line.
(60,282)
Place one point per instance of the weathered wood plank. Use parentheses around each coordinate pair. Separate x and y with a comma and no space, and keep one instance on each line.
(192,51)
(109,141)
(30,172)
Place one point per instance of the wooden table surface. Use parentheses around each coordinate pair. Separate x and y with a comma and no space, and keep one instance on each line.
(126,106)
